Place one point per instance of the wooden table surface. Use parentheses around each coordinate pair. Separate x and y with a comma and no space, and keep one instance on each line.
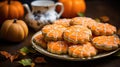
(95,8)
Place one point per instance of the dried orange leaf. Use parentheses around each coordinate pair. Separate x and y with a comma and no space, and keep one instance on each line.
(118,32)
(104,18)
(13,57)
(6,54)
(39,60)
(23,53)
(32,64)
(9,56)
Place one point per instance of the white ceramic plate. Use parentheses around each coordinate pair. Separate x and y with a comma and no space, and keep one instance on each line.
(66,57)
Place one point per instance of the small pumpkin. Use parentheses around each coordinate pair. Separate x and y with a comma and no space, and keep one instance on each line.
(72,7)
(14,30)
(7,0)
(10,9)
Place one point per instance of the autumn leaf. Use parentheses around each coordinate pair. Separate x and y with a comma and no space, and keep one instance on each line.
(24,51)
(97,20)
(25,62)
(6,54)
(81,14)
(13,57)
(40,60)
(9,56)
(33,65)
(104,18)
(118,32)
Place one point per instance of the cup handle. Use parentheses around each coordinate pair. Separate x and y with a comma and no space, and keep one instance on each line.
(27,8)
(62,8)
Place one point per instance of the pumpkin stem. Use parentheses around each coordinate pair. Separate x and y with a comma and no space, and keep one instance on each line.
(9,1)
(14,20)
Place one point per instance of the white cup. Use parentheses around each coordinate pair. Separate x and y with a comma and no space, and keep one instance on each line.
(43,12)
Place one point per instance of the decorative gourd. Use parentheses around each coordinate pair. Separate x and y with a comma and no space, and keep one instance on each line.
(10,10)
(72,7)
(7,0)
(14,30)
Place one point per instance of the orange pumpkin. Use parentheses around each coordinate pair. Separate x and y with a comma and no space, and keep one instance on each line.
(7,0)
(10,10)
(72,7)
(14,30)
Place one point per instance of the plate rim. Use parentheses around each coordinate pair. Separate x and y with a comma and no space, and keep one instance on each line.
(66,57)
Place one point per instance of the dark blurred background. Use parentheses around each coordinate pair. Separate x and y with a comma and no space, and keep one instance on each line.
(29,1)
(97,8)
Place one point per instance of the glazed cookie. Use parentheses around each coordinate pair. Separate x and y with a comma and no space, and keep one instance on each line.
(103,29)
(82,51)
(53,32)
(85,21)
(64,22)
(39,40)
(58,47)
(106,42)
(77,34)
